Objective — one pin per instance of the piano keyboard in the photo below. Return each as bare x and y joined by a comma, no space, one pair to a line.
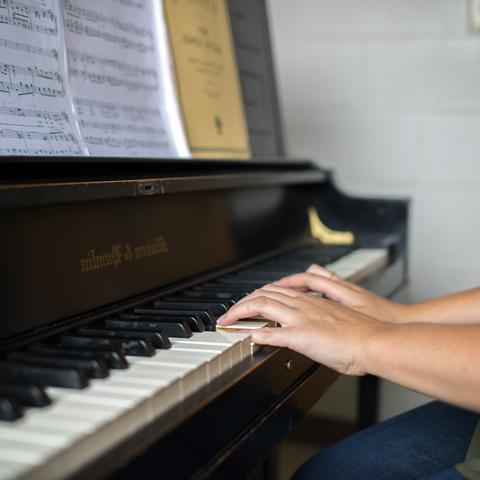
67,400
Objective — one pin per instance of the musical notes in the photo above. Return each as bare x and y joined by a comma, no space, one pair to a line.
34,132
114,73
26,88
108,126
128,127
37,152
47,83
55,136
35,115
97,23
125,144
24,47
56,117
28,16
95,87
115,78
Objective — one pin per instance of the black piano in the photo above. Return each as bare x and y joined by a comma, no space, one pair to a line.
113,275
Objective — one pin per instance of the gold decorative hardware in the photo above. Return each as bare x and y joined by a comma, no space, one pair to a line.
327,236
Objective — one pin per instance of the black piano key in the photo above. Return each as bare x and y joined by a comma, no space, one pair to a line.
226,303
251,276
158,339
139,348
203,315
215,287
251,287
179,330
263,273
115,359
43,376
195,324
28,395
237,280
290,266
214,309
10,410
95,368
224,297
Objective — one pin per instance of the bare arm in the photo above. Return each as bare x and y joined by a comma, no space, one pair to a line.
458,308
442,361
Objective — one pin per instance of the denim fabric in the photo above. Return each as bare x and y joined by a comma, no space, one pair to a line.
424,443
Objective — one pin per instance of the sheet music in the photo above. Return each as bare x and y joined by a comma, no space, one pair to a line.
35,113
120,80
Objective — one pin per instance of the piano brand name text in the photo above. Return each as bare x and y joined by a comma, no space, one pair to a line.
120,254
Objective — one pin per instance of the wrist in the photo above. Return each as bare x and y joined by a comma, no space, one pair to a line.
374,346
402,313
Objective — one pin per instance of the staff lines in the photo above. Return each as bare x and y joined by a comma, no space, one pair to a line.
28,16
25,47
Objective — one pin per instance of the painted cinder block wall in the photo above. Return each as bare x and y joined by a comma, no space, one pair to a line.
387,93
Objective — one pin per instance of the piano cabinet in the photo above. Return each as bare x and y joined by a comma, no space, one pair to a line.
83,244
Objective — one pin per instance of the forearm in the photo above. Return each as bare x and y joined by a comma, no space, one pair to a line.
457,308
441,361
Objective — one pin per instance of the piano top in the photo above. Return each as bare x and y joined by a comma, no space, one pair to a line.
55,181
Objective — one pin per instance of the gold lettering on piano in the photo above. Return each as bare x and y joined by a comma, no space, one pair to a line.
120,254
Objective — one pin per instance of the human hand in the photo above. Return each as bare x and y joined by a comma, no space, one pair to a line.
321,280
320,329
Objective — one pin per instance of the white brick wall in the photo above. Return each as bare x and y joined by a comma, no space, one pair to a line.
387,93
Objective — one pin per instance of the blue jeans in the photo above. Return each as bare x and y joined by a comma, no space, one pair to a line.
424,443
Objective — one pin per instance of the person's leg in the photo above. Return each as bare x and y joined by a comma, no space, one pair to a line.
448,474
426,441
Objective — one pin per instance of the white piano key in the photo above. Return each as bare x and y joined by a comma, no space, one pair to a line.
11,470
20,433
154,381
115,407
198,362
91,397
146,370
44,439
243,338
199,348
246,325
192,379
359,264
211,338
171,385
165,399
218,357
23,452
62,425
192,375
239,342
127,390
67,409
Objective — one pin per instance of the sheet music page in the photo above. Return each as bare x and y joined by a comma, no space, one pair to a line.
117,82
35,113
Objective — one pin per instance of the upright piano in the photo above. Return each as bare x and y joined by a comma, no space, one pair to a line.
113,276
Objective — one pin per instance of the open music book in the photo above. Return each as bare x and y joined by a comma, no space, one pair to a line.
83,77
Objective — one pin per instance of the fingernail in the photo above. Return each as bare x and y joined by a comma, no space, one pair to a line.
220,320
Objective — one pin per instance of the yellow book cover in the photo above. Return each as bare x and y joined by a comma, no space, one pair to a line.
207,78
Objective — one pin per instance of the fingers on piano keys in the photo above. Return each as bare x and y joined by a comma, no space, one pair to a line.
122,371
